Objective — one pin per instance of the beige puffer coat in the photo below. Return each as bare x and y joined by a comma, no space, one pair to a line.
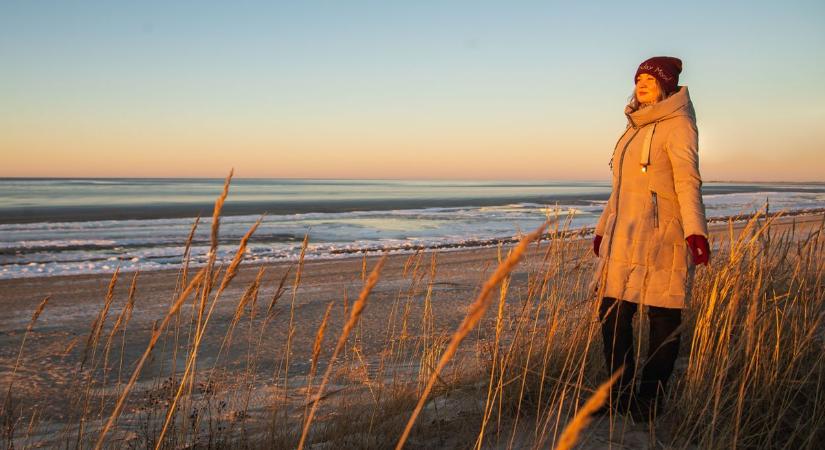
655,204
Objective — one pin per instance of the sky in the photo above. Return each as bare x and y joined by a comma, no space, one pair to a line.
509,90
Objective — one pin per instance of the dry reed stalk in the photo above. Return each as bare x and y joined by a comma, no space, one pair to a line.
35,315
183,278
474,315
387,353
70,346
412,257
120,321
389,337
488,403
415,280
232,270
571,432
92,345
316,352
29,429
187,249
216,212
7,411
550,333
123,317
100,319
319,338
209,278
291,327
229,275
357,308
365,375
511,361
270,311
279,292
250,371
526,365
253,305
427,328
130,306
152,341
270,314
250,293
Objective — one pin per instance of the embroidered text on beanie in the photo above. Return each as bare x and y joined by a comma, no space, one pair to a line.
666,69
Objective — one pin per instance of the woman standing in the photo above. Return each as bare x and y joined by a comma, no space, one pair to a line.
651,234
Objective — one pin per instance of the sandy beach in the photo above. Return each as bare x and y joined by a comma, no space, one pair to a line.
54,347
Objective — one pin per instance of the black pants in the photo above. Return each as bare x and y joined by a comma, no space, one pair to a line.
663,345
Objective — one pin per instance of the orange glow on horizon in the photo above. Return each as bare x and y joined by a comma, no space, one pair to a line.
427,149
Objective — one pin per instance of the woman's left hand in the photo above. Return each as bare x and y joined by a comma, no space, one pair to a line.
699,248
597,242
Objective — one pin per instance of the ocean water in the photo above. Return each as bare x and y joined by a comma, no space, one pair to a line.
80,226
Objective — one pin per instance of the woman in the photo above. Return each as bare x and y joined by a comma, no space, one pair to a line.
651,234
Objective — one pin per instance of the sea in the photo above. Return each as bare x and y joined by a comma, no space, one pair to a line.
61,226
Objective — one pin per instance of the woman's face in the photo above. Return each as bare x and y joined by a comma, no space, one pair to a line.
647,89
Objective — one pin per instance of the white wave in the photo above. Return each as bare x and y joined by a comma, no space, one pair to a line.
42,249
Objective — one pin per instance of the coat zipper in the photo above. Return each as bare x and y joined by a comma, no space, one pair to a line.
617,144
618,191
655,209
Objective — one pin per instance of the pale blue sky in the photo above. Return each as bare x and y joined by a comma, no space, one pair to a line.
398,89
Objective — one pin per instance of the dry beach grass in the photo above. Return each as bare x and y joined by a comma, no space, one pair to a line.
484,348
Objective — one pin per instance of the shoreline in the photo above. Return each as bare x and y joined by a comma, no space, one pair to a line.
406,250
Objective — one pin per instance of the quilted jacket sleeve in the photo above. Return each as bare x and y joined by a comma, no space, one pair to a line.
683,151
608,209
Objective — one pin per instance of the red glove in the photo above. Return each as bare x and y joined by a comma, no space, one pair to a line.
699,248
596,242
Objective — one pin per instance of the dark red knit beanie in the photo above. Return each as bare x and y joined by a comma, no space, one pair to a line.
666,69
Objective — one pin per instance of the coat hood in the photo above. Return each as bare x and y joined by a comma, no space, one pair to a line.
677,104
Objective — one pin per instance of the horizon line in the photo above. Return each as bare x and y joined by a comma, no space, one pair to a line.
377,179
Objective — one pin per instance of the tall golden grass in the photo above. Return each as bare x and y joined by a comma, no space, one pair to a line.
407,371
476,312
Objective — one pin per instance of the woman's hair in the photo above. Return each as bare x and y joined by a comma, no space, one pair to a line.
634,102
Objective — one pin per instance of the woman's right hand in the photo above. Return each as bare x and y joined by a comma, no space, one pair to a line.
597,241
